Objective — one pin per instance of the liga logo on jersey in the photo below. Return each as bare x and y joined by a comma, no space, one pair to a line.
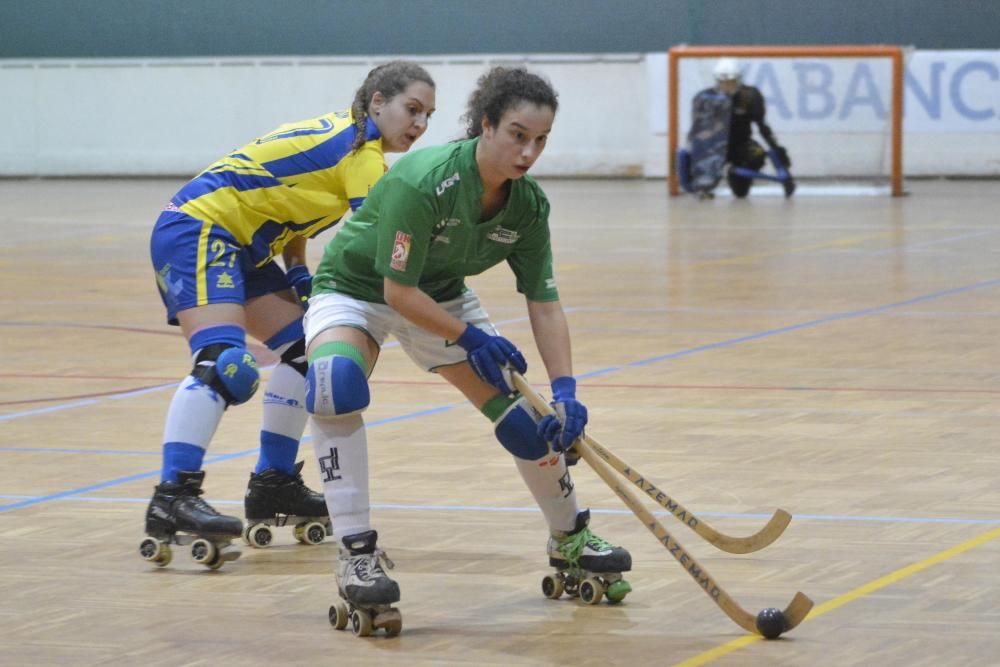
400,251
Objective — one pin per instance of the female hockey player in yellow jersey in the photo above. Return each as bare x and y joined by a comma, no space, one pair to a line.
213,250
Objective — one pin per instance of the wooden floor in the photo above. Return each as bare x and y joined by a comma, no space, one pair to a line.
837,357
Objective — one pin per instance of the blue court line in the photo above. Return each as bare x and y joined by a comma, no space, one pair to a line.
847,518
41,411
611,369
209,458
63,450
836,317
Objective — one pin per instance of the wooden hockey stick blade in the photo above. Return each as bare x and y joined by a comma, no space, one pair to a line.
794,613
735,545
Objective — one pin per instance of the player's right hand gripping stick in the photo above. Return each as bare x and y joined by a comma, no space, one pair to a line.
492,357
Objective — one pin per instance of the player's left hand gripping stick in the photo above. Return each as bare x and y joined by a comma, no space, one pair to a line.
566,425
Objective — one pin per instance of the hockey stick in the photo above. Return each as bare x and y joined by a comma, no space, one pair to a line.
769,622
735,545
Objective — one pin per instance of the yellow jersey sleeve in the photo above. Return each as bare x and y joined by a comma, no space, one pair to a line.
362,170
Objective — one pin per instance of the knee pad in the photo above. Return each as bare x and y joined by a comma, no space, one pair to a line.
336,386
295,356
229,370
517,431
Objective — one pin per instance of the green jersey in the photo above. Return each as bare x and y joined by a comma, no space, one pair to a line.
420,226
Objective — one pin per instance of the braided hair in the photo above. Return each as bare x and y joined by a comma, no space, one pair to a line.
502,89
390,79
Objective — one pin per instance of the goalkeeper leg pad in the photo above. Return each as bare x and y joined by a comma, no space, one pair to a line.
684,169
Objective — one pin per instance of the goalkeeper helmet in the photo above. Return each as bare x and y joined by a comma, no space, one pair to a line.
727,69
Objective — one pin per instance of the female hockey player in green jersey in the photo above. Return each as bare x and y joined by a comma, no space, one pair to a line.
213,250
398,267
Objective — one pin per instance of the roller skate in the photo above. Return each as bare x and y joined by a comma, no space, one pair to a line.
275,498
587,566
789,186
367,592
178,515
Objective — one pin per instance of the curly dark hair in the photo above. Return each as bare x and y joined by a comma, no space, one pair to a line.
390,79
502,89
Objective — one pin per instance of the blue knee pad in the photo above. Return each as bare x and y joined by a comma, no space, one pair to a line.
229,370
336,386
237,370
517,431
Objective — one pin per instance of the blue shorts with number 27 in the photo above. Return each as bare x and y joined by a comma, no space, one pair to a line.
198,263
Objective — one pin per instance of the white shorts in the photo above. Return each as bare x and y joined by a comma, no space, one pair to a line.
378,320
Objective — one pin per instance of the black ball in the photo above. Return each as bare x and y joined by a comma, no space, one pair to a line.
770,623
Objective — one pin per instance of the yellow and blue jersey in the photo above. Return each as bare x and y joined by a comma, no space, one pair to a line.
296,181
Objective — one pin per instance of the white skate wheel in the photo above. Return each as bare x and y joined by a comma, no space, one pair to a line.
155,551
361,623
311,533
339,616
204,552
552,587
591,590
260,536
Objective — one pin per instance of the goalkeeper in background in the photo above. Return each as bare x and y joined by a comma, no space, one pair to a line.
747,108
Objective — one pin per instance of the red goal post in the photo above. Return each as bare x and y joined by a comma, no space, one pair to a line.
893,53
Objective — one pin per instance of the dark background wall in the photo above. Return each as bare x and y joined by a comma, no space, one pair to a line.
148,28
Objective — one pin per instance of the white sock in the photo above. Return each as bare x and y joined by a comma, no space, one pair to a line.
284,419
553,490
341,447
194,414
284,403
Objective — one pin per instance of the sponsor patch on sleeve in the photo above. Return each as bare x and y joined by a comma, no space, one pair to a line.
400,251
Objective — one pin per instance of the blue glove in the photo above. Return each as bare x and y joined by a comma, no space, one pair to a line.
492,357
563,428
301,282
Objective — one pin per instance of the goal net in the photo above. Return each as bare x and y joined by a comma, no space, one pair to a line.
837,109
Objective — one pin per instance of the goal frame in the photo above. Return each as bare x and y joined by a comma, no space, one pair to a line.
893,53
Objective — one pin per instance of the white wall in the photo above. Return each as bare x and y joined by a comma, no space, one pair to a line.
175,116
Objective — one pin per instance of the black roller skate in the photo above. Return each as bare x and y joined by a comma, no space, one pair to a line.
178,515
367,592
275,498
587,566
